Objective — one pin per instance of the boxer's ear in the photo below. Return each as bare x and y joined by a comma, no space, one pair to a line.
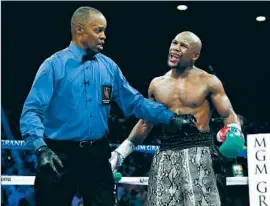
196,56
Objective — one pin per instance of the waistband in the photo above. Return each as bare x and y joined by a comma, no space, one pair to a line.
186,140
70,144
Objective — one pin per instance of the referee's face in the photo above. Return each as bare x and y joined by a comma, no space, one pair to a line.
93,35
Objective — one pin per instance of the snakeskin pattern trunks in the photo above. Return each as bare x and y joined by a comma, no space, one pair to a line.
187,171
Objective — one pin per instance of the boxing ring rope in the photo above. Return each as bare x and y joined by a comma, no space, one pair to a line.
29,180
20,145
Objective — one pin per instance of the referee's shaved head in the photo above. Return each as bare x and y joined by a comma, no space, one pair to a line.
82,16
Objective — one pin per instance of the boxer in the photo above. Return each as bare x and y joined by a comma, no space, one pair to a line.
187,169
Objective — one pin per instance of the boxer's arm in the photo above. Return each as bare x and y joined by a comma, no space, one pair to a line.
137,135
31,120
231,134
140,131
143,127
222,103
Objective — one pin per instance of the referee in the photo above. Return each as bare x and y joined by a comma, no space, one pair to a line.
64,117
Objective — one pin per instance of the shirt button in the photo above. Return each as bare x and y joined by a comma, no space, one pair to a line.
90,116
89,100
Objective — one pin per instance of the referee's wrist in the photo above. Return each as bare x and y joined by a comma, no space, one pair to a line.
41,149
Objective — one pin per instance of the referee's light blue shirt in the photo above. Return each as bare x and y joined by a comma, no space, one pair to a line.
67,100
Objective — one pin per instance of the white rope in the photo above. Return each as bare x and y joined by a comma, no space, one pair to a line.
29,180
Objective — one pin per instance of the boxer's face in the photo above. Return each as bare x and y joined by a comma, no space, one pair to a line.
92,35
181,52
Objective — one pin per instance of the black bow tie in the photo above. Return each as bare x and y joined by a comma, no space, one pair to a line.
88,57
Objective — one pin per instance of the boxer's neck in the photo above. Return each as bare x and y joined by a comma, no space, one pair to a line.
181,72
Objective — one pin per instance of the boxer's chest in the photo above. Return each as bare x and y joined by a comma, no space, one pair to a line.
187,93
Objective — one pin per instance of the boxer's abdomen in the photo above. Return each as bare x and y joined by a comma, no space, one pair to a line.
202,114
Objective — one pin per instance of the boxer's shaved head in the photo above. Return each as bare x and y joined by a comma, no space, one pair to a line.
192,39
82,16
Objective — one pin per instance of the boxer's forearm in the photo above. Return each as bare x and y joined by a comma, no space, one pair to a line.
137,135
140,132
232,118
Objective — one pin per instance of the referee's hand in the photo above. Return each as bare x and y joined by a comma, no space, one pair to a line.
49,160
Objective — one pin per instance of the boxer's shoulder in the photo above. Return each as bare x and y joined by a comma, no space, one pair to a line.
155,83
214,83
157,80
166,76
200,73
206,77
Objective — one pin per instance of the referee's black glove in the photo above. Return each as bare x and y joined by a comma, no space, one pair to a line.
184,121
47,159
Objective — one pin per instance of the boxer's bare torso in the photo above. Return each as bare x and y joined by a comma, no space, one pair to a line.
186,94
185,89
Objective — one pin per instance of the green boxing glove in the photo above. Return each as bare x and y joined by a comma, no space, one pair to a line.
233,140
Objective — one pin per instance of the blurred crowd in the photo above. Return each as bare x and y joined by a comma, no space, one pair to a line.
137,164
